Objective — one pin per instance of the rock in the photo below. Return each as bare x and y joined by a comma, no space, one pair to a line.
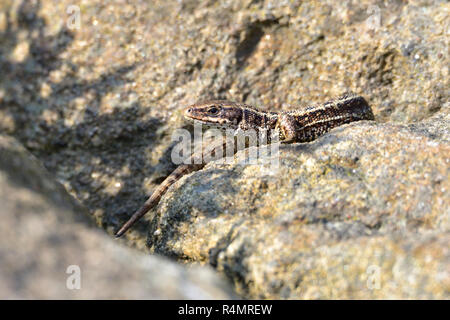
97,104
362,212
46,240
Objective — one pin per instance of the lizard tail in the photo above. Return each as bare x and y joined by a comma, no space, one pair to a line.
156,196
196,163
148,205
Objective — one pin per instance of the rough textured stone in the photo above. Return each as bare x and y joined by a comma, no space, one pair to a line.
364,197
98,105
44,232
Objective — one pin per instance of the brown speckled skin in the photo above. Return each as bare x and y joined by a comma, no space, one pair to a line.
310,123
230,115
291,126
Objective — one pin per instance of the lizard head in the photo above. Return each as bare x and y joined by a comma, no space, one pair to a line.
215,113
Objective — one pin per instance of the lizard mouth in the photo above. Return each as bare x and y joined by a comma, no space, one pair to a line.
209,124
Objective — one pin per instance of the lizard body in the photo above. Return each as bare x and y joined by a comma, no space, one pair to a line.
301,125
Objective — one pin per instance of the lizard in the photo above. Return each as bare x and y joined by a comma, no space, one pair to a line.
295,126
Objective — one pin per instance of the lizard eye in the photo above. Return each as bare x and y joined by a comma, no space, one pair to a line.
213,110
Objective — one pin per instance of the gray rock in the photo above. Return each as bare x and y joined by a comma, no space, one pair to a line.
45,234
363,212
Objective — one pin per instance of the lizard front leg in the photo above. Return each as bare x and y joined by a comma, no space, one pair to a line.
286,128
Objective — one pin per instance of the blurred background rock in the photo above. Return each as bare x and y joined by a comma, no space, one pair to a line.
45,234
